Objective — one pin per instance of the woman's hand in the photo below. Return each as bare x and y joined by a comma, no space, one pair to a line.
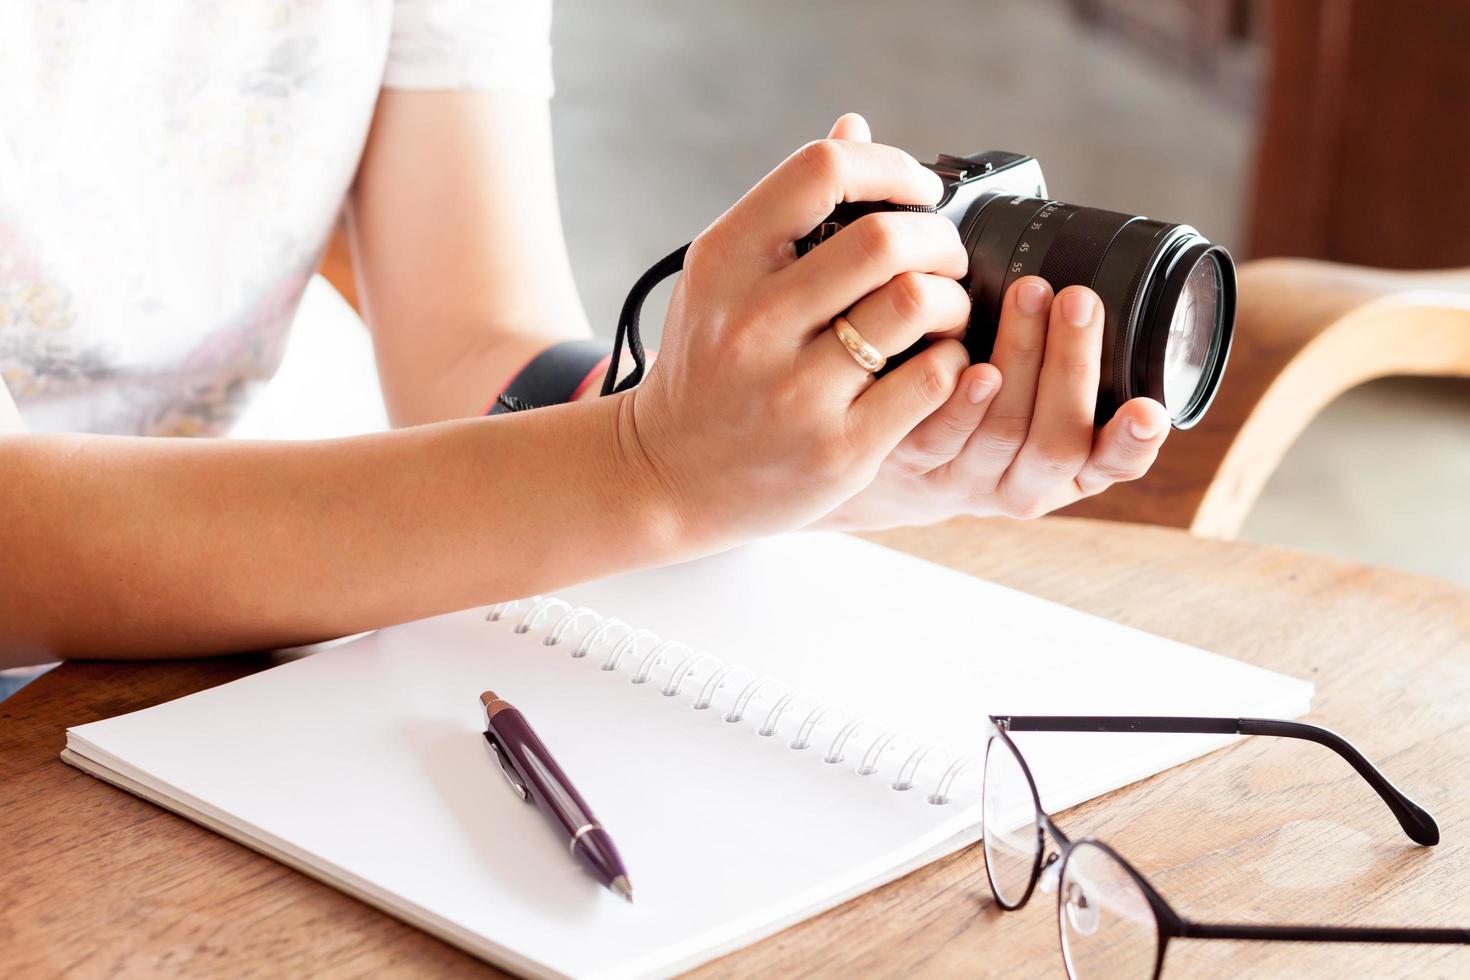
755,418
1016,438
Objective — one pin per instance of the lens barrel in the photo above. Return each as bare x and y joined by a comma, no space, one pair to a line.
1168,294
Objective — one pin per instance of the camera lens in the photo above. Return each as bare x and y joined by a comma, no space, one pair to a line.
1168,293
1190,345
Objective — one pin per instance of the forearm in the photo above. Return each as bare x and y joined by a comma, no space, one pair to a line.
151,547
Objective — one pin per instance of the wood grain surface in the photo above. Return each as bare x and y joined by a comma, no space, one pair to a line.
94,882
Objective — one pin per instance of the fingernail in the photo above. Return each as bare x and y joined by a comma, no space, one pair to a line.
979,390
1144,431
1031,297
1077,307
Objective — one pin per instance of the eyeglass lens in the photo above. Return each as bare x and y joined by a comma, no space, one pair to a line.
1108,928
1012,835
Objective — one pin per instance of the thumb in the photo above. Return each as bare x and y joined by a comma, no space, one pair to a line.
851,126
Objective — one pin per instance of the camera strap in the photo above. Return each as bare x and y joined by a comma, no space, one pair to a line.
628,322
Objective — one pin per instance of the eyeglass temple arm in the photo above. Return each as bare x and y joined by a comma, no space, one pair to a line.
1415,820
1319,934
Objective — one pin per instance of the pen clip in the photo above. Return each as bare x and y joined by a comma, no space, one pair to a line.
511,776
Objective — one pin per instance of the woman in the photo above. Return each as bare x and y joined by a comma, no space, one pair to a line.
168,179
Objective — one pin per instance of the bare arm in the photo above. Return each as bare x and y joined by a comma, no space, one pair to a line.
753,420
461,264
161,547
147,547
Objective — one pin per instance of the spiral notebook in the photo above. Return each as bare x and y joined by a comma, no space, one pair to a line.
765,734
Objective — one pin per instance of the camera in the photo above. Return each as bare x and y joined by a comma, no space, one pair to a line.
1167,292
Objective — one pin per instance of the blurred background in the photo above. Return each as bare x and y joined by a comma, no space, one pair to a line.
667,112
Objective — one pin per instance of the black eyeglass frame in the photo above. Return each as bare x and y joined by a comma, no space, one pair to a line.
1416,822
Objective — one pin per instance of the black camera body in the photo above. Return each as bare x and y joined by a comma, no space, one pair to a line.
1168,293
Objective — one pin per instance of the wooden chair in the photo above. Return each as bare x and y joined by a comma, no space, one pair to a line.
1306,331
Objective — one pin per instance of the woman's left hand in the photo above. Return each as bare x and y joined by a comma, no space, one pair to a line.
1016,438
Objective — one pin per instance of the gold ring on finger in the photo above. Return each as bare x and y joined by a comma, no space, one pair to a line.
868,357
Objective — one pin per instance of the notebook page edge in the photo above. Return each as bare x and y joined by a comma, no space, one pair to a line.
1030,599
942,846
474,944
1290,705
953,834
801,909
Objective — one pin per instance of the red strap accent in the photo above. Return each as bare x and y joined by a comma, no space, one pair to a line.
592,376
511,377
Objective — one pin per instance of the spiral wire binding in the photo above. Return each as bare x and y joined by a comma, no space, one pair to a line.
622,641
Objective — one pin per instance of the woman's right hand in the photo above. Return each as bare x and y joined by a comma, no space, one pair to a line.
755,418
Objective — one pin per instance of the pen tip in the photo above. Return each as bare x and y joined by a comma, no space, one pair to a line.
621,886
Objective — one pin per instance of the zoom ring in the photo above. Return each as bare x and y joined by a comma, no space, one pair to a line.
1079,247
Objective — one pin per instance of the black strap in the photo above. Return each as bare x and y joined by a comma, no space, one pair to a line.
552,377
628,322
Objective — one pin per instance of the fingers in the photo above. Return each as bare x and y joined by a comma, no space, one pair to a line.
893,318
938,439
851,126
794,198
862,257
1126,447
1059,437
898,402
1020,344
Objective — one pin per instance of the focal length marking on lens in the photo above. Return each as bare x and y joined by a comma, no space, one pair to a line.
1036,238
996,222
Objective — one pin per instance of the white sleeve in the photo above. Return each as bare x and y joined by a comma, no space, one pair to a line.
491,45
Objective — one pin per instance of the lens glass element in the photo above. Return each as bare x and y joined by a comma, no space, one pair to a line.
1012,833
1193,332
1108,927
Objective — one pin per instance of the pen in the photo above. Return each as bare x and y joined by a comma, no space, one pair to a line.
536,778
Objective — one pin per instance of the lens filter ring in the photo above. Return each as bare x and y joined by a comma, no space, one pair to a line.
1130,265
1200,282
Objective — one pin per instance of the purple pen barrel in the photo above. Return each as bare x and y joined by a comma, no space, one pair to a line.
544,783
596,850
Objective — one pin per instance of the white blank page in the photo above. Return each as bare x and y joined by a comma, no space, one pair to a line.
930,653
365,763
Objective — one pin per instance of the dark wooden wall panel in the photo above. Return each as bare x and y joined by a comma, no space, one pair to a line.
1364,149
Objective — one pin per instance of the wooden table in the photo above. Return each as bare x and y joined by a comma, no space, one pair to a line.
94,882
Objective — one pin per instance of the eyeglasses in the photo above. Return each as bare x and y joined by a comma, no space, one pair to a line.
1113,924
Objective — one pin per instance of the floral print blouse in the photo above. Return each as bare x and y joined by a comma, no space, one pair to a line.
171,170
